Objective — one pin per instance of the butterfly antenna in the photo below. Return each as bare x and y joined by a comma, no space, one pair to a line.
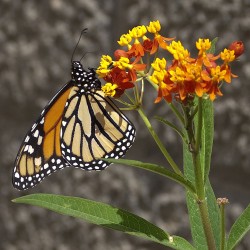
86,54
83,32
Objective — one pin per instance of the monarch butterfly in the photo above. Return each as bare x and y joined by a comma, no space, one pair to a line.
77,127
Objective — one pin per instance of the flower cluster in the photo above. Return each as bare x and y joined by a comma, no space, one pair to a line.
182,77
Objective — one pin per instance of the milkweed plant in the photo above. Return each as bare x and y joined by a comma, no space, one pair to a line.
188,85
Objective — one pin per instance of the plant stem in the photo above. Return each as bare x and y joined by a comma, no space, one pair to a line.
222,226
195,144
159,143
222,202
202,203
207,225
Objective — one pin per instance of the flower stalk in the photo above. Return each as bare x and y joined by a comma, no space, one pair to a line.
222,202
159,142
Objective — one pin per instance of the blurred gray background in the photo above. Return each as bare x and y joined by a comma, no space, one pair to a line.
37,39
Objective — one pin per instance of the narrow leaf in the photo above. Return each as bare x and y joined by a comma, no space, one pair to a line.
105,215
207,136
194,215
170,124
239,229
155,169
197,231
213,44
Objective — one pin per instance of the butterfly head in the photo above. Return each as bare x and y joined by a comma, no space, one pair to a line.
83,78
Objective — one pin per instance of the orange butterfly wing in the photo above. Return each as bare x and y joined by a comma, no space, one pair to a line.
40,153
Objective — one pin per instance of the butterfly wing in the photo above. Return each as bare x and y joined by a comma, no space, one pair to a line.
93,127
40,153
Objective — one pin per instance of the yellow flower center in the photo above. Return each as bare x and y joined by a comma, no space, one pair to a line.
123,63
154,27
159,64
125,39
158,76
217,75
203,44
177,75
178,51
138,31
103,69
193,72
109,89
227,55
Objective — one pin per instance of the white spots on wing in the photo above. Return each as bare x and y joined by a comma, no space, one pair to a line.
26,148
33,127
36,133
39,140
42,121
46,165
30,149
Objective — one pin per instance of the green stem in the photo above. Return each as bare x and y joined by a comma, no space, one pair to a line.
222,227
195,144
207,225
159,143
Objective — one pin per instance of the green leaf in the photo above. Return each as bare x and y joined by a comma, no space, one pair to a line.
155,169
105,215
205,157
214,213
239,229
213,44
207,136
170,124
197,231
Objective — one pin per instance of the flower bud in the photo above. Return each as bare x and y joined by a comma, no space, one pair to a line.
237,47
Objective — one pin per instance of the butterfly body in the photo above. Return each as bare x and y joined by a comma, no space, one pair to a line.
77,128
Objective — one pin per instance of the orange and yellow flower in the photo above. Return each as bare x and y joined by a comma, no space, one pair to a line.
159,40
183,76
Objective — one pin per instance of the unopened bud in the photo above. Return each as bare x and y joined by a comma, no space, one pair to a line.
237,47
